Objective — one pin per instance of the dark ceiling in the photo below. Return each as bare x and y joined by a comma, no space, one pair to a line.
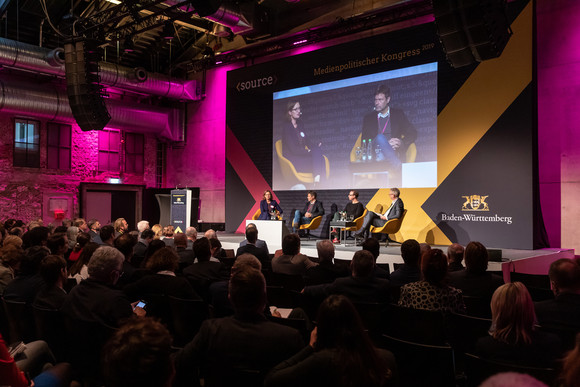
170,36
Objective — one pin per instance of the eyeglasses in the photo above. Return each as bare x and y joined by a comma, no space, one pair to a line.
296,109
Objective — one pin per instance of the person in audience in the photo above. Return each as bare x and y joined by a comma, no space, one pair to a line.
570,374
512,379
12,240
107,235
251,248
204,272
326,271
57,244
154,245
394,211
312,209
168,234
81,241
142,225
37,236
210,234
125,243
216,250
54,273
291,261
361,286
81,224
71,235
120,227
432,292
475,280
373,246
26,285
340,353
186,257
269,207
410,270
245,341
563,312
455,256
96,299
79,270
191,234
95,230
158,230
140,248
259,243
10,257
513,337
139,355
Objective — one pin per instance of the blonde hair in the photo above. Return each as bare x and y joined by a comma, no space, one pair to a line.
513,314
158,230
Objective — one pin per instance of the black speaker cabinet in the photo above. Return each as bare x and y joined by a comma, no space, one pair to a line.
85,94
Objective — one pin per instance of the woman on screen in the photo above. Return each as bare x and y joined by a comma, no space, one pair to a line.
296,147
269,207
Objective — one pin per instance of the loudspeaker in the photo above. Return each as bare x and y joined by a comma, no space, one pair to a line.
85,94
471,30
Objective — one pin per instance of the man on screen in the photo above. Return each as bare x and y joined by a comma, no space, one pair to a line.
395,211
312,209
389,129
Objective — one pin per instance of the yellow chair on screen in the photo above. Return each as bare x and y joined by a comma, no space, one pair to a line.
290,173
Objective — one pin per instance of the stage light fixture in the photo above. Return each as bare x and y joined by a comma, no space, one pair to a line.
168,30
128,45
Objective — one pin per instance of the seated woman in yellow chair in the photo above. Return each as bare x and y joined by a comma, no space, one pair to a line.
270,209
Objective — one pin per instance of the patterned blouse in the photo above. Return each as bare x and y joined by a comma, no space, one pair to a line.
423,295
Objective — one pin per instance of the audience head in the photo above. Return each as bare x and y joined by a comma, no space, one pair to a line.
191,233
71,234
512,314
363,264
252,234
65,222
13,240
215,247
163,259
94,225
210,234
158,230
411,252
121,225
82,239
53,269
570,375
148,235
291,244
168,231
81,224
513,379
37,236
84,258
16,231
153,246
455,253
325,250
247,292
139,355
434,267
125,244
61,229
180,240
58,244
202,249
564,276
245,262
11,256
30,262
107,233
372,245
106,265
142,225
475,258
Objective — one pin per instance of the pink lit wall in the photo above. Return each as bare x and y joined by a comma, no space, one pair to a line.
558,59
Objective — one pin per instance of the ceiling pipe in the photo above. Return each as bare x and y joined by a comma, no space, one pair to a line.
27,57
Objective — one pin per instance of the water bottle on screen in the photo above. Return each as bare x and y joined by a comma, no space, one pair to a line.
358,154
364,150
370,150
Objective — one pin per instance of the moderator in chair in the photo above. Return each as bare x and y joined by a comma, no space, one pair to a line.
391,227
289,171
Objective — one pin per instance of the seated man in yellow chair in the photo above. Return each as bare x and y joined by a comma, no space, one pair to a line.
312,209
394,211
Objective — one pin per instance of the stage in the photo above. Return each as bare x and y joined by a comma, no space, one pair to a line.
521,261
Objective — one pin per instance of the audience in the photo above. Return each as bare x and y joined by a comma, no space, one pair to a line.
186,257
326,271
291,261
251,247
513,335
432,292
142,226
82,239
94,230
373,246
10,257
340,353
107,235
204,272
570,374
140,248
79,270
454,257
191,234
54,274
259,243
28,282
409,271
120,227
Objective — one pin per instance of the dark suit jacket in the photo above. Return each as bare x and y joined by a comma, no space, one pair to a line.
317,209
401,128
397,210
542,352
405,275
563,312
257,252
357,289
265,215
162,285
50,298
325,273
475,285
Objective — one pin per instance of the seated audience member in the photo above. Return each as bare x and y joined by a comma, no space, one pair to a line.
81,241
168,234
186,257
79,270
252,248
361,286
475,280
163,264
125,243
454,257
12,240
512,379
191,234
216,250
28,282
326,271
204,272
54,274
95,230
259,243
120,226
291,261
81,224
432,293
10,257
107,235
71,235
154,245
513,337
373,246
340,353
96,299
142,226
563,312
141,247
410,271
570,374
158,230
139,355
37,236
245,341
210,234
58,244
16,231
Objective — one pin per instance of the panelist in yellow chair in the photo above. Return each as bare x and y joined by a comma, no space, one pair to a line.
312,209
372,218
389,129
305,155
270,209
353,209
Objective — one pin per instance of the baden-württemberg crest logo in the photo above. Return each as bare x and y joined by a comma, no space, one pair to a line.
475,203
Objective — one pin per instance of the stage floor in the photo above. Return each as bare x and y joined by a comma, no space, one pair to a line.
521,261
